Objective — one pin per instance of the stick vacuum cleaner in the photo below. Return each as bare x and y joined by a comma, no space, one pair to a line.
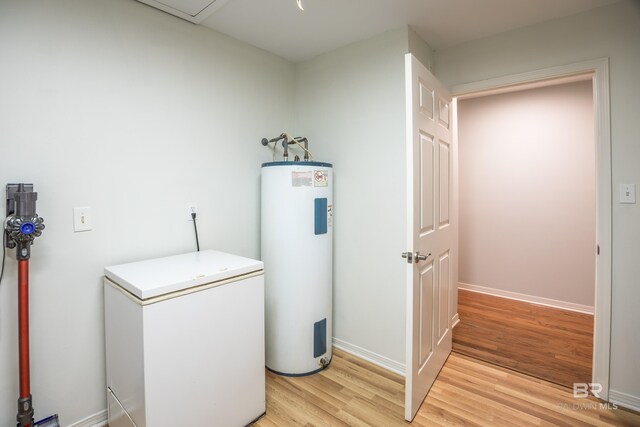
22,226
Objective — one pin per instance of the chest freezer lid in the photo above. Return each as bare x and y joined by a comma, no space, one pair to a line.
155,277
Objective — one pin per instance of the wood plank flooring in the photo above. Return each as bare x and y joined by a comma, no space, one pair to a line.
468,392
548,343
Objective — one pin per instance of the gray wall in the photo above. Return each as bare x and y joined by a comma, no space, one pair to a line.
614,32
350,103
117,106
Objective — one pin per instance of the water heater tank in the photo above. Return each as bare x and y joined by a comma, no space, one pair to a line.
297,235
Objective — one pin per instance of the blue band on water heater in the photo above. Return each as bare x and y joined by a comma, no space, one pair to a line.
320,338
320,216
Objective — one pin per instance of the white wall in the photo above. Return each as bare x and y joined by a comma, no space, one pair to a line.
350,103
614,32
419,48
527,192
117,106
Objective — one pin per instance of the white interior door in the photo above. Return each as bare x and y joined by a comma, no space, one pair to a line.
432,231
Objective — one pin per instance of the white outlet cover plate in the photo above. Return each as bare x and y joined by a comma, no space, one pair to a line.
627,193
82,219
192,207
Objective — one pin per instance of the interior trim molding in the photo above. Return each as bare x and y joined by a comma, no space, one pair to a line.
527,298
99,419
370,356
455,320
598,69
623,399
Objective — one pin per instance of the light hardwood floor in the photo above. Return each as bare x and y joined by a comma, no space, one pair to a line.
353,392
549,343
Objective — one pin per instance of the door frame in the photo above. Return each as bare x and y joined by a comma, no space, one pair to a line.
599,71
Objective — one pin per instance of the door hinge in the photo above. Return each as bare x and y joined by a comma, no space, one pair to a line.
597,249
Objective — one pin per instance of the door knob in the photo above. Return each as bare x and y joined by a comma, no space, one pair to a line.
422,257
408,256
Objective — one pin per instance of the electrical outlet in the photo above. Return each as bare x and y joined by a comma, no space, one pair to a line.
192,207
82,219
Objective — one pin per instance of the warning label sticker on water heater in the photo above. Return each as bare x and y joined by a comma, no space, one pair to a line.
320,178
301,179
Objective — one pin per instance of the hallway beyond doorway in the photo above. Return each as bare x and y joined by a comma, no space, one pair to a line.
553,344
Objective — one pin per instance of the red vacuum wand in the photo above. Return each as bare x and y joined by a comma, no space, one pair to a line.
23,225
23,335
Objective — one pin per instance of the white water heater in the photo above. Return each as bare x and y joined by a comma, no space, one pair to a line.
297,235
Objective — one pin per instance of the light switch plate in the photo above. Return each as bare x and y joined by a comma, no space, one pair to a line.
627,193
82,219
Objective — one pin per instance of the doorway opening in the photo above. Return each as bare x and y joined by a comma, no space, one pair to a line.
534,192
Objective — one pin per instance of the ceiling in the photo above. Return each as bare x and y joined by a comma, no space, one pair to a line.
278,26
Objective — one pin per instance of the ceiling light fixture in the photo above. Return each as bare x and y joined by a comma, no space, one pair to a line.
300,4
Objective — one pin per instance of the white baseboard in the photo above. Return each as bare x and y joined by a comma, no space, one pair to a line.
375,358
455,320
625,400
98,419
527,298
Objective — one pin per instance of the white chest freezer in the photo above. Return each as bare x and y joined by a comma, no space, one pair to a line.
185,341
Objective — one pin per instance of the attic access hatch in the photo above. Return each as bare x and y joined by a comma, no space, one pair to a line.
191,10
